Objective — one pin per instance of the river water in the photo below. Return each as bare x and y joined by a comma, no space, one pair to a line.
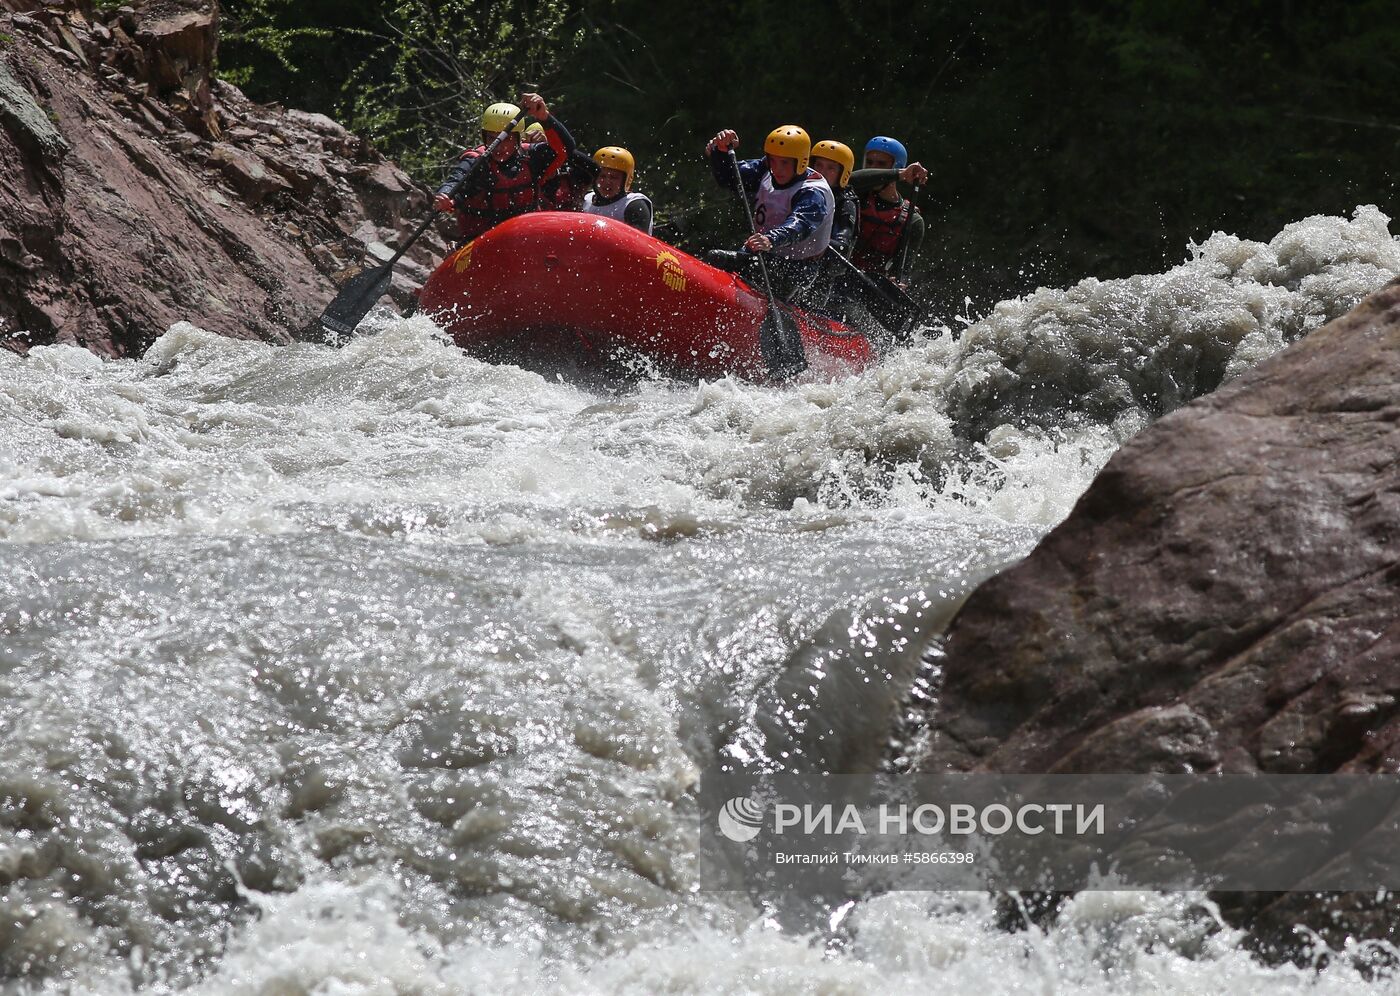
385,670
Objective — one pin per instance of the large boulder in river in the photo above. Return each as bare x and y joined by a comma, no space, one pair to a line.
136,190
1224,597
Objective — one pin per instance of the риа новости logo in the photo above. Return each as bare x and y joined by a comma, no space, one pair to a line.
740,819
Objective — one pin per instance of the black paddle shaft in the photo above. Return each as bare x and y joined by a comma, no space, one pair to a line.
904,249
780,342
882,286
355,299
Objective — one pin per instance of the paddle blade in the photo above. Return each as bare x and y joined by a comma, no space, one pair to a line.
350,306
781,344
891,312
894,309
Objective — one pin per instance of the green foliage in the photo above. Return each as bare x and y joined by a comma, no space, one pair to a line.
6,39
413,75
270,28
445,60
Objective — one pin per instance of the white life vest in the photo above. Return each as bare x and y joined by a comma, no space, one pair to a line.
775,207
618,208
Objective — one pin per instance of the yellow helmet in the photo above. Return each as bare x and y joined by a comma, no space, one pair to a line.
837,153
535,132
616,157
497,118
792,142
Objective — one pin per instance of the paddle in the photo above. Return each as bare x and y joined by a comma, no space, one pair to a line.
888,302
359,295
904,251
898,310
779,341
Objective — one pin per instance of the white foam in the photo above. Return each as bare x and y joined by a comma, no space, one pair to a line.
437,647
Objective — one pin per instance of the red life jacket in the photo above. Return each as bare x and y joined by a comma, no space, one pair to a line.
503,196
879,234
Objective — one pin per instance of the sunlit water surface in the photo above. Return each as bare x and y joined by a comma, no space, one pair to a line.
386,670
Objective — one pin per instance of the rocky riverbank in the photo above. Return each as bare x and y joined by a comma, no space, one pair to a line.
1224,597
137,190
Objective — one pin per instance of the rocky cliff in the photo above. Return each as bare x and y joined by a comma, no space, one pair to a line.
1224,597
137,190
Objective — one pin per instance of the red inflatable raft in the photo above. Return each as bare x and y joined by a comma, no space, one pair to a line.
558,288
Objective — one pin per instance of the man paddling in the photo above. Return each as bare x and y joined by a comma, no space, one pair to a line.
891,228
889,231
510,183
793,207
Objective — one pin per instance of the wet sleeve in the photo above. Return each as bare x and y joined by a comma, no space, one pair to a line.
638,215
865,180
551,155
457,173
808,212
583,168
750,171
719,166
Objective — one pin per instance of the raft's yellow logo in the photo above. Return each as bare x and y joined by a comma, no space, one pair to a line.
672,274
463,259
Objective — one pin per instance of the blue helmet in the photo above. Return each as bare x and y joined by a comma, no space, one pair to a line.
882,144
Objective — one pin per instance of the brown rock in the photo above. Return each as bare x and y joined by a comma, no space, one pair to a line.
173,51
306,174
1241,557
384,189
70,41
326,260
116,238
247,173
179,43
113,225
1225,596
331,134
146,113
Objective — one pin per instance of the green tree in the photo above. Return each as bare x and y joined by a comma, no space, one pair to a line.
412,75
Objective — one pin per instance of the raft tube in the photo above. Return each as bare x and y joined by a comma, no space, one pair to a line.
555,288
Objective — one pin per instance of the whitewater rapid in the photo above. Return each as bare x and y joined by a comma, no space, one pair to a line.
386,670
